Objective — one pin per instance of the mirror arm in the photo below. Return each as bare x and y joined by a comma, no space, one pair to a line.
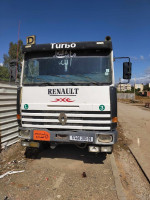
122,58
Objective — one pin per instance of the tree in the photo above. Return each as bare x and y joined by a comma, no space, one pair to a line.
4,74
6,60
12,53
137,91
146,87
132,89
12,56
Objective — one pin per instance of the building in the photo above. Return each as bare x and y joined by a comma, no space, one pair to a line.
148,93
123,87
139,86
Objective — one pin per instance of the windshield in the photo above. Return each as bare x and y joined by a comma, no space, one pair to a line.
68,70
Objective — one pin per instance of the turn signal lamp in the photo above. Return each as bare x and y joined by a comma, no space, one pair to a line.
114,119
18,117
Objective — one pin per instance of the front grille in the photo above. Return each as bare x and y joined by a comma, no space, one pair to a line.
76,120
66,111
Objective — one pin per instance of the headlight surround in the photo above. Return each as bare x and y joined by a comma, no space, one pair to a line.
25,134
104,138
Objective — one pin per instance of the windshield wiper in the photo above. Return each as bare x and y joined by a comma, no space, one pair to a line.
46,84
49,84
39,84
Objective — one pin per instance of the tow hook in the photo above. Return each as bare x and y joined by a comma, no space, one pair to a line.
53,145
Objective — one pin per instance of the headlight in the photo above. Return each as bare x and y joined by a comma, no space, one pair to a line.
24,134
104,138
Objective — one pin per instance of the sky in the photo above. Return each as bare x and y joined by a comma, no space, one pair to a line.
126,21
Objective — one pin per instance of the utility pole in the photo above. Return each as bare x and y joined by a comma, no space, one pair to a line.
120,83
17,49
134,86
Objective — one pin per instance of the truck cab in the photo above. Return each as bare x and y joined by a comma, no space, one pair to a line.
67,95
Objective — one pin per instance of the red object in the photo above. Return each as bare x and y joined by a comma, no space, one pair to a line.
63,100
46,179
148,93
41,135
84,175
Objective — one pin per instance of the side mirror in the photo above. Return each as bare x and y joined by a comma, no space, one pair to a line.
127,70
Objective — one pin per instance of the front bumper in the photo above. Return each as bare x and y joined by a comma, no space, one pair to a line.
64,136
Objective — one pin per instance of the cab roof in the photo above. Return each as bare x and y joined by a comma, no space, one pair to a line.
99,45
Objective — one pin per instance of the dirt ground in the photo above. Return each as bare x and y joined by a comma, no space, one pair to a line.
58,174
139,100
70,173
135,121
63,173
135,184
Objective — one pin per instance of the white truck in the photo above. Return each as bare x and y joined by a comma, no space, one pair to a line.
67,95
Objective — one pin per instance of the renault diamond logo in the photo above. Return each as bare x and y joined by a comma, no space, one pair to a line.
62,118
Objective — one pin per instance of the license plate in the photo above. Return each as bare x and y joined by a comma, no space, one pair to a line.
81,138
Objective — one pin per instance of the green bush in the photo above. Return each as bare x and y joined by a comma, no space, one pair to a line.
4,74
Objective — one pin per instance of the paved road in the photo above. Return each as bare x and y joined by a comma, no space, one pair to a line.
135,121
57,174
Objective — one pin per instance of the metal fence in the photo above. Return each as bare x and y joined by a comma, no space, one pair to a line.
125,96
8,111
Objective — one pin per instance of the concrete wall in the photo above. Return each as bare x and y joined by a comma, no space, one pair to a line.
125,95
